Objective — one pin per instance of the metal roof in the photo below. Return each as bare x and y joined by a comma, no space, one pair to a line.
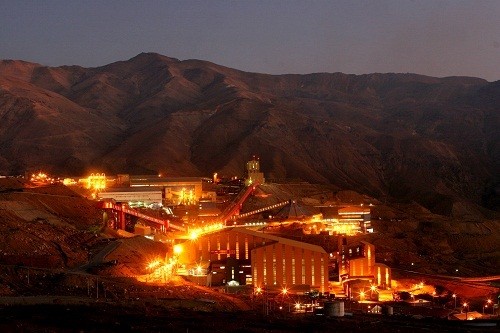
131,189
281,240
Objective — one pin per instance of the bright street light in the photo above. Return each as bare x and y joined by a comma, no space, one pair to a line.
194,235
489,302
178,249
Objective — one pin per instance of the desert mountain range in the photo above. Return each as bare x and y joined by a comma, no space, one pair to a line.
434,141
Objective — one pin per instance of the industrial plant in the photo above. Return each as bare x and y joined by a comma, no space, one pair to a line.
243,236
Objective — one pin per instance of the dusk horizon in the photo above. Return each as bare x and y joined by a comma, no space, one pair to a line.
274,74
445,38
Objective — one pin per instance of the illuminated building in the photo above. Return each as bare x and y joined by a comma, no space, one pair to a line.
180,190
356,263
95,181
40,178
69,182
251,257
175,191
357,216
289,263
144,195
253,172
348,220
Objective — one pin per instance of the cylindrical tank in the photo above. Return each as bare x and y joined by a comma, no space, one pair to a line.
338,309
334,309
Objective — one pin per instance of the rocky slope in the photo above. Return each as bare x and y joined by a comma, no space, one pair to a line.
405,136
48,226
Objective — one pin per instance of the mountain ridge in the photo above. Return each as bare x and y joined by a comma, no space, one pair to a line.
374,133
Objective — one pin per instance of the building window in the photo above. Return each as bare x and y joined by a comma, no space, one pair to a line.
323,273
293,265
237,249
218,249
284,272
246,248
312,271
283,249
274,264
303,271
255,275
265,267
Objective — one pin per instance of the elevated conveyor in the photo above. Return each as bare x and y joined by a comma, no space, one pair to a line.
123,210
235,206
263,209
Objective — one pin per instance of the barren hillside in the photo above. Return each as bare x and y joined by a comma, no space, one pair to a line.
45,226
400,136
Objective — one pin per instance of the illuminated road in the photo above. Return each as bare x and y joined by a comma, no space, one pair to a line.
473,281
482,279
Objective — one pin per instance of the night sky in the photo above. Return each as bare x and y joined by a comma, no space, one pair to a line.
437,38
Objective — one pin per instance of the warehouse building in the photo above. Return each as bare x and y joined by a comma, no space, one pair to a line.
159,190
243,256
239,256
359,216
146,195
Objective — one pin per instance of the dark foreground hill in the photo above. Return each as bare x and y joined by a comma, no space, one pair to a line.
404,136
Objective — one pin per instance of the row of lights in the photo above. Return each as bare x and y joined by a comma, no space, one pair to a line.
465,305
263,209
255,223
284,291
259,291
162,269
195,233
373,289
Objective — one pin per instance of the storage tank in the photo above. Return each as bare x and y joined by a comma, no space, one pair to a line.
334,309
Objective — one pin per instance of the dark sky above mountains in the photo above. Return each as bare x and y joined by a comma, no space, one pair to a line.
437,38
